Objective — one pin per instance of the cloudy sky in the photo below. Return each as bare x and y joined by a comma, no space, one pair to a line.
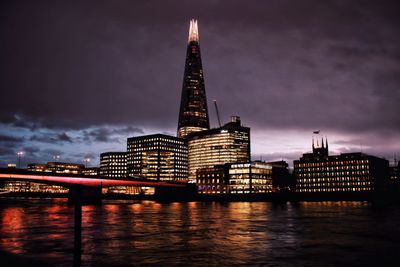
79,77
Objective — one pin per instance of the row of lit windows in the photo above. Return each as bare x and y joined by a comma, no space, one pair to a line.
341,168
330,174
331,163
333,184
352,189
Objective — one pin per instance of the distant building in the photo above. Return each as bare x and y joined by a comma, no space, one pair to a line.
157,157
91,171
11,166
113,165
57,167
228,144
237,178
281,178
394,175
213,180
193,113
347,172
37,167
50,167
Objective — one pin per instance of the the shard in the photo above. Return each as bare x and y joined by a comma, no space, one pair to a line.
193,114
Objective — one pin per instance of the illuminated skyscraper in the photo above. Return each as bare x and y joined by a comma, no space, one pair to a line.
193,114
227,144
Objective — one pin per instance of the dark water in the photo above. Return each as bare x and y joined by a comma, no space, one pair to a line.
200,234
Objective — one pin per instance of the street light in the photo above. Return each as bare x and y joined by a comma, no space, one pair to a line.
56,157
20,154
86,160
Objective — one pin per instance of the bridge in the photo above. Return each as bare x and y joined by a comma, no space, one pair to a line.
86,189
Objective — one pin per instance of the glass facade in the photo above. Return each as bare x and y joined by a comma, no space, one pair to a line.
158,157
228,144
193,113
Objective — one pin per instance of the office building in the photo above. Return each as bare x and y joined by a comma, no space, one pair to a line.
236,178
193,113
113,165
158,157
317,172
57,167
91,171
227,144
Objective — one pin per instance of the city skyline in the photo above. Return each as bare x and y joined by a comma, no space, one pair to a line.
79,84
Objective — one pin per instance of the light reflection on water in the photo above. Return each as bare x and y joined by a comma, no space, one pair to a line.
203,233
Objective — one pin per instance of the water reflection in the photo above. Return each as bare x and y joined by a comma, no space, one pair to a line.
196,233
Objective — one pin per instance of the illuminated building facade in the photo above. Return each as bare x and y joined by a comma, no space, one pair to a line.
317,172
92,171
158,157
50,167
212,180
113,164
57,167
228,144
193,114
237,178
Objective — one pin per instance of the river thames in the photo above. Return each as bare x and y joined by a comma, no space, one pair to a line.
131,233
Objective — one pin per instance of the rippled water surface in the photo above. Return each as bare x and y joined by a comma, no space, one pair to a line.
125,233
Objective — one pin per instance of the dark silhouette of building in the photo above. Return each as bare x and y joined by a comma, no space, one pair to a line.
158,157
317,172
283,181
193,114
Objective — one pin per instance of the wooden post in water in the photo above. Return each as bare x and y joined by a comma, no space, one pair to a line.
77,234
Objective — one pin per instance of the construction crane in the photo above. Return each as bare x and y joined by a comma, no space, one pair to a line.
216,109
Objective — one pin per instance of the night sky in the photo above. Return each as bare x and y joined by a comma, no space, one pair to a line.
79,77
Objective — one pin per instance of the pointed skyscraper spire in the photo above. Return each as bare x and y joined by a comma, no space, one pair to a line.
193,114
323,146
193,31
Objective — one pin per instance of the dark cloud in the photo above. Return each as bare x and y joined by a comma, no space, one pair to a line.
110,134
93,67
128,130
10,139
51,138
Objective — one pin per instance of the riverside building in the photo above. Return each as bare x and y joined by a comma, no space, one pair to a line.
317,172
193,113
227,144
113,165
158,157
236,178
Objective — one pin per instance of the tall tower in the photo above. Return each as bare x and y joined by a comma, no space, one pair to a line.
193,113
